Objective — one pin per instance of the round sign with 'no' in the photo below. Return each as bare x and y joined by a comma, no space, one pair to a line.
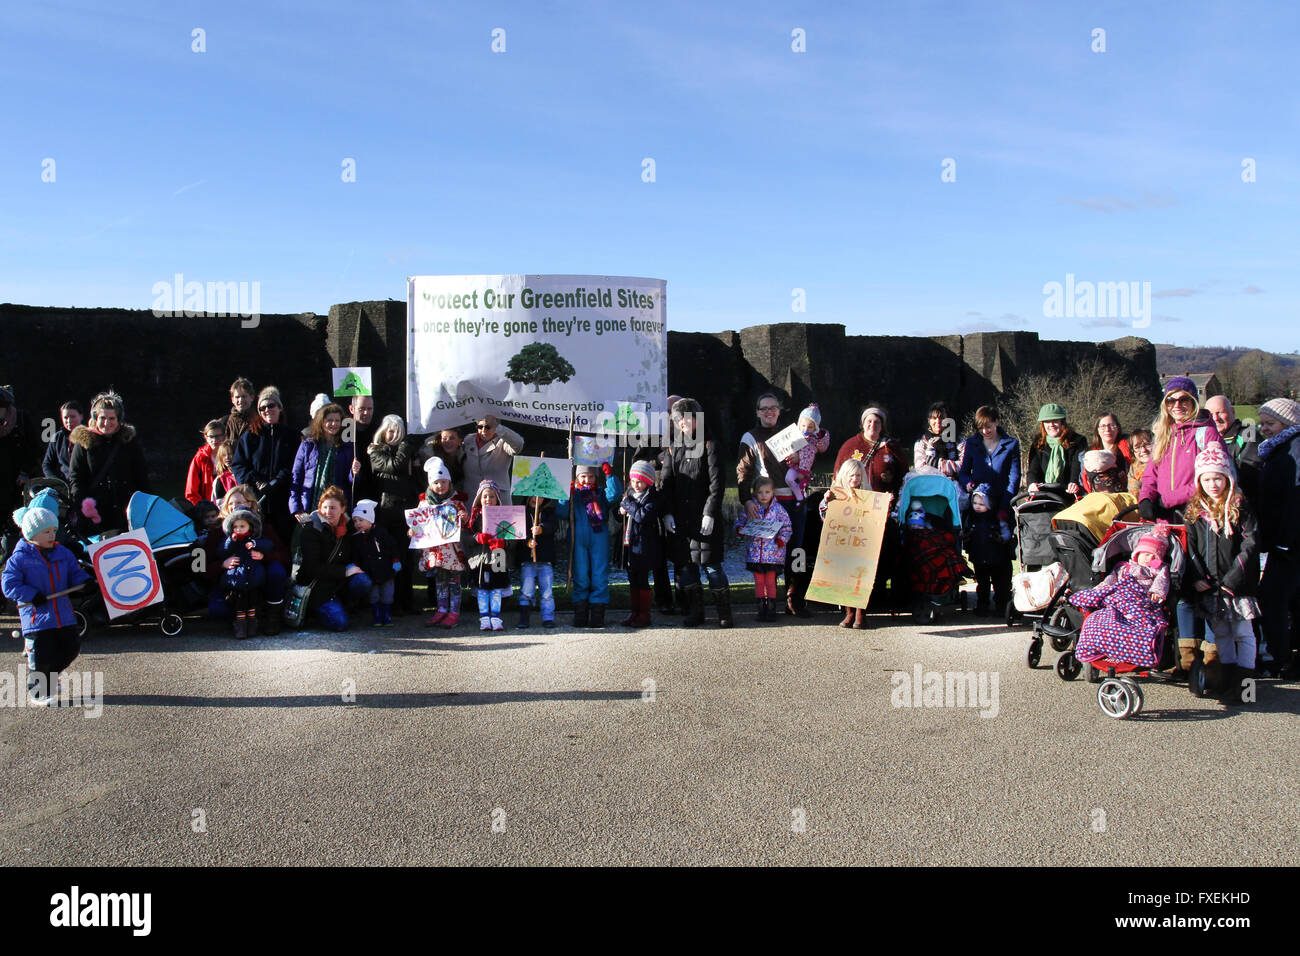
127,574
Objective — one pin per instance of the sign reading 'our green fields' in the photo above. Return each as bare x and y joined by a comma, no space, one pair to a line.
534,349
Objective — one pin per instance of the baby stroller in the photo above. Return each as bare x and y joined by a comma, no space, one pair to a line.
1119,695
172,541
1075,534
1034,512
929,516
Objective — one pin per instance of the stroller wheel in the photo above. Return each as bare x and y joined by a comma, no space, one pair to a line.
1196,678
171,625
1094,675
1068,666
1136,690
1034,651
83,623
1062,644
1115,698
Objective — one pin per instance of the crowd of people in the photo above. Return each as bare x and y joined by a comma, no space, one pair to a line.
309,522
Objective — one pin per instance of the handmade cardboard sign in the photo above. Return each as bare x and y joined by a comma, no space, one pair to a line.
352,381
433,525
850,549
541,477
507,522
786,442
126,572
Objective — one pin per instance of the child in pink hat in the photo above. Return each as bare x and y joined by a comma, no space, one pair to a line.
1127,622
1223,549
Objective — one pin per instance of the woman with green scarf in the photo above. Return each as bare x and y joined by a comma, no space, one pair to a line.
1056,456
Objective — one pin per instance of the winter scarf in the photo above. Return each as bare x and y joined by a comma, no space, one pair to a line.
589,500
1056,464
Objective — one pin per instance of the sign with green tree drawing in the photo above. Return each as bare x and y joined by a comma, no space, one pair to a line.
539,364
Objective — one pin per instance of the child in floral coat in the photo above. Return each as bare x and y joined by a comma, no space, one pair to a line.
1127,623
766,556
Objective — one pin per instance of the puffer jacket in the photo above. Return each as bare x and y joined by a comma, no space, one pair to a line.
30,571
1170,481
1227,561
265,457
691,487
392,483
127,475
303,479
1279,493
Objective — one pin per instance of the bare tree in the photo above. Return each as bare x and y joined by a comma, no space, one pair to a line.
1088,390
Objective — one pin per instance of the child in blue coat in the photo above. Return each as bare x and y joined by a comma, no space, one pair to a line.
642,544
591,544
243,555
38,568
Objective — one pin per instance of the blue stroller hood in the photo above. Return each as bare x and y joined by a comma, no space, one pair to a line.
936,493
162,522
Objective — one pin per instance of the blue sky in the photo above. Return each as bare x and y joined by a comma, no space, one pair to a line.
774,170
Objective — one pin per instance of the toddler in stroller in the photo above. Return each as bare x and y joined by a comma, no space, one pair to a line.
1127,622
930,523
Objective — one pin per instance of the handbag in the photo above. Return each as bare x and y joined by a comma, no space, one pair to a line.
299,595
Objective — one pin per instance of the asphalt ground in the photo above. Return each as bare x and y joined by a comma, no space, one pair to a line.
763,744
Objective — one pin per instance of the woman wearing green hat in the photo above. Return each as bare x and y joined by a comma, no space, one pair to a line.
1056,455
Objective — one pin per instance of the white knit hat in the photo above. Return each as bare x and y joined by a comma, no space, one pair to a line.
365,510
436,469
319,402
36,520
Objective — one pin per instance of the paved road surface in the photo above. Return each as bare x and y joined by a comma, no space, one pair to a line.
758,745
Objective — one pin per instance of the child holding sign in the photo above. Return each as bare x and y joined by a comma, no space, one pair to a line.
491,559
39,569
766,555
444,562
591,544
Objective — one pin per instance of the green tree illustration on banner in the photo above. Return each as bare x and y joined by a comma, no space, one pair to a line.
539,364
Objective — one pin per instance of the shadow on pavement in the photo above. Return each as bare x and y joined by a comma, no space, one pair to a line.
395,701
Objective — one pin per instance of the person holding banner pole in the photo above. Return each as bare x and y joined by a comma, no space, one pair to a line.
323,459
692,495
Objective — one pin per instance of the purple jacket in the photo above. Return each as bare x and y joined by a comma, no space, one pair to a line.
303,477
1171,480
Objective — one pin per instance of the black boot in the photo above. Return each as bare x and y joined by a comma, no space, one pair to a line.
694,604
597,616
722,598
580,611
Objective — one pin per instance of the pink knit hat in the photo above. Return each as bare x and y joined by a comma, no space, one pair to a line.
1213,461
644,470
1155,542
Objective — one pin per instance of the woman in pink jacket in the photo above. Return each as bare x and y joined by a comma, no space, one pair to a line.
1182,431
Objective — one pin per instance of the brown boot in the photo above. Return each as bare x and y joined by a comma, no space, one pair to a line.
1186,657
1213,668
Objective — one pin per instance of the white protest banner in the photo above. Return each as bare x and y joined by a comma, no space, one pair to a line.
786,442
433,525
540,477
532,348
507,522
350,382
760,527
595,450
126,572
